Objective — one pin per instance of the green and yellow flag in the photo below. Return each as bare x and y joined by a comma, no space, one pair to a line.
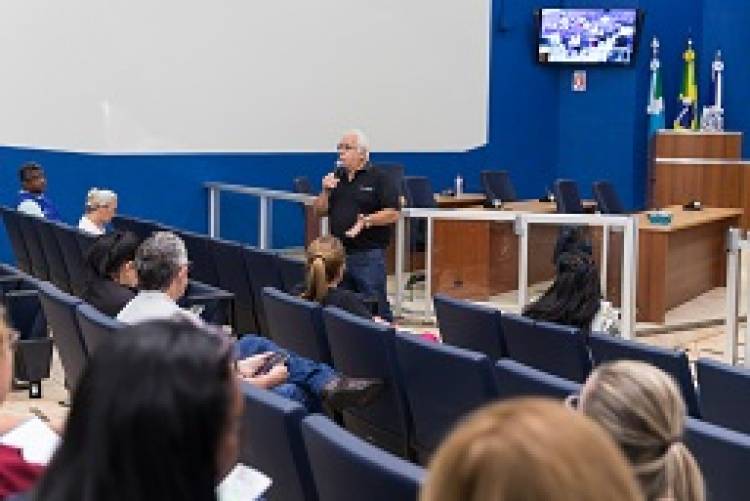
688,116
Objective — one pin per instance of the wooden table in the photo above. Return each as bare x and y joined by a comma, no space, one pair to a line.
682,260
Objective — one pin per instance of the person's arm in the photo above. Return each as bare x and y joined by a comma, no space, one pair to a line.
329,183
386,216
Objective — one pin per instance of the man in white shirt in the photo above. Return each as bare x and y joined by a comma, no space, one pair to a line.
162,266
101,206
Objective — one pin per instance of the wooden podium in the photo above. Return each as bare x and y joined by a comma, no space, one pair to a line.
704,166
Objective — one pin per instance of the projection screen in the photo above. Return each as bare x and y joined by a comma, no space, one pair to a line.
242,75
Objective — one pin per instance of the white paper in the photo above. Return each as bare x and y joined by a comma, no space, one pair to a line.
36,440
243,484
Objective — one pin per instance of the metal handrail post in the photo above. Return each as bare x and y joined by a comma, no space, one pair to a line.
628,285
522,230
264,223
428,271
400,230
213,211
605,258
733,295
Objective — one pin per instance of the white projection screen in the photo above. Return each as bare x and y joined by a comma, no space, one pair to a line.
141,76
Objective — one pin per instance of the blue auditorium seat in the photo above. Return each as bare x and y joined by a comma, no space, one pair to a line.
605,348
363,348
470,326
346,468
724,459
515,379
58,271
497,185
443,383
272,443
263,270
15,236
73,258
292,273
606,198
724,394
296,325
84,240
567,198
60,311
33,240
216,305
95,326
552,348
234,277
202,256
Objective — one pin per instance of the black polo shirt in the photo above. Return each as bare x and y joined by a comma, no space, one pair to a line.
370,191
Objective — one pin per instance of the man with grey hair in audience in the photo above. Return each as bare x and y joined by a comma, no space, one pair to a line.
361,202
161,263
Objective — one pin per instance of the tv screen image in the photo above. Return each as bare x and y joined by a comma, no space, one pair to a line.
587,36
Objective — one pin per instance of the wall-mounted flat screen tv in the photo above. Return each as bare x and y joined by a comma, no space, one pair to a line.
587,36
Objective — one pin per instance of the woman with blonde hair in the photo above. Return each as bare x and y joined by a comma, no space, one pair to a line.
101,206
642,409
529,449
324,271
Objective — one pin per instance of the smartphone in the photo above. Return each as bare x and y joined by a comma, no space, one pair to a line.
197,309
272,361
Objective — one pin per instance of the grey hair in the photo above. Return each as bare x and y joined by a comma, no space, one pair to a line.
96,198
158,260
362,142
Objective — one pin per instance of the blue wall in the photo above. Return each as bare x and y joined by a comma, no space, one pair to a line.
538,129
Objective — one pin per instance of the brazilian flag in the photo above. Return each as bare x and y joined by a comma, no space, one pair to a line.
688,116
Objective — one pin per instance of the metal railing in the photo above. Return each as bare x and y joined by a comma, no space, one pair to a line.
521,222
265,214
735,245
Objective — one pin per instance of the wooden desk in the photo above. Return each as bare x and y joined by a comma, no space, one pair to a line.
477,259
465,200
682,260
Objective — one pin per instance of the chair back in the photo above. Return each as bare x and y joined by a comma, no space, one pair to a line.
58,271
200,254
443,383
233,277
271,441
216,305
606,198
263,270
497,185
292,273
345,467
418,192
301,184
95,326
74,259
60,311
30,231
723,456
515,379
724,392
605,348
567,198
15,236
552,348
364,348
296,324
470,326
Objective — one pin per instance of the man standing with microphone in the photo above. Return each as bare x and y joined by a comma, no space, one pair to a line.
361,202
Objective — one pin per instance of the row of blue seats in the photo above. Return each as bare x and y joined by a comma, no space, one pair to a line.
55,252
236,268
719,398
312,458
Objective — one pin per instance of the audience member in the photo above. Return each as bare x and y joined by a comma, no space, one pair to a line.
101,206
528,450
161,262
156,416
361,202
642,409
32,199
16,474
111,276
324,267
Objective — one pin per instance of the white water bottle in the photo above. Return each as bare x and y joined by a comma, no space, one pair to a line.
459,185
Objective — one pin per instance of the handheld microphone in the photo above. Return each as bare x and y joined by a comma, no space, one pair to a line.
339,170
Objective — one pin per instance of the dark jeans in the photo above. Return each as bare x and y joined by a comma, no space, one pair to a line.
365,273
306,377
